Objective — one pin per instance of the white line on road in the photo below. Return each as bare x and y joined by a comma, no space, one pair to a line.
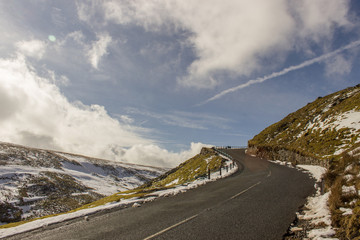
192,217
171,227
238,194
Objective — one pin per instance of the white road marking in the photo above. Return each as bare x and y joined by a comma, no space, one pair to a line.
238,194
171,227
192,217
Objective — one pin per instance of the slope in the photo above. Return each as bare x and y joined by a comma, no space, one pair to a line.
318,133
188,175
324,132
36,182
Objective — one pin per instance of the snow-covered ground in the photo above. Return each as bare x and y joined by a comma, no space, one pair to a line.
29,176
317,209
135,202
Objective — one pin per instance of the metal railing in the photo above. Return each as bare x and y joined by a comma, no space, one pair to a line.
230,147
219,150
224,168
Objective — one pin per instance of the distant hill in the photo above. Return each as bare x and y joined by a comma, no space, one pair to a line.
317,133
36,182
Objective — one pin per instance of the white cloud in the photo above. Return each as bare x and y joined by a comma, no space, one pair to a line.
126,119
98,49
158,156
191,120
78,36
338,66
32,48
231,36
33,112
318,18
338,63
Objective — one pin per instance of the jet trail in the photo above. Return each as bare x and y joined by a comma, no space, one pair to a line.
282,72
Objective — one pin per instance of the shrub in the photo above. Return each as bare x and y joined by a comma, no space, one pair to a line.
352,224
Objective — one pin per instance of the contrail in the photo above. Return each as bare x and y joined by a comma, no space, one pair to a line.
282,72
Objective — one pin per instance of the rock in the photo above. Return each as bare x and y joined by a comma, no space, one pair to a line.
135,205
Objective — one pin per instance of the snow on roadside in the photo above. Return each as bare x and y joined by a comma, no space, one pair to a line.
316,171
136,202
317,210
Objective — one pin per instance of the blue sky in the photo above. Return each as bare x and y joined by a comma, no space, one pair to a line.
150,82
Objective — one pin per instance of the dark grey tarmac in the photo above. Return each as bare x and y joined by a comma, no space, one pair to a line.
258,202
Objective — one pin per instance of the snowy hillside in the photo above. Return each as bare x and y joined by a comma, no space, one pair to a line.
323,129
36,182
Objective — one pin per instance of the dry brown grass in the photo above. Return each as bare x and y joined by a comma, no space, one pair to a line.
348,226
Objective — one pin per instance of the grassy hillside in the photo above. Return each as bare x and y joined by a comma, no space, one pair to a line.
186,172
323,129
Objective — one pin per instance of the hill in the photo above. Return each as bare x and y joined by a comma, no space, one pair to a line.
36,182
318,133
188,175
326,133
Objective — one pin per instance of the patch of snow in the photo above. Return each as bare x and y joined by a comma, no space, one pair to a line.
350,119
316,171
319,213
283,163
341,149
209,159
348,168
176,181
348,190
35,198
318,209
296,229
79,194
346,211
322,234
348,177
136,205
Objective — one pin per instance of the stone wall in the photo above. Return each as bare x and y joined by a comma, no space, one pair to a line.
286,155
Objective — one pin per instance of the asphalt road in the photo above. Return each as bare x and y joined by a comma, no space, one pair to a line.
258,202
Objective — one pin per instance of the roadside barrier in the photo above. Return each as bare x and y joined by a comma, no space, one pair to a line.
230,147
226,168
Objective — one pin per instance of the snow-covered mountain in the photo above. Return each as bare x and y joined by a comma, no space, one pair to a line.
36,182
323,129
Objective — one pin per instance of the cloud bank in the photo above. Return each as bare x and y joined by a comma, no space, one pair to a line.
229,37
35,113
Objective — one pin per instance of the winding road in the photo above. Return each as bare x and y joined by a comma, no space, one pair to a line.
257,202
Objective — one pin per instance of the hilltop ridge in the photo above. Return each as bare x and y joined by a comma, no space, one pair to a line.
318,133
